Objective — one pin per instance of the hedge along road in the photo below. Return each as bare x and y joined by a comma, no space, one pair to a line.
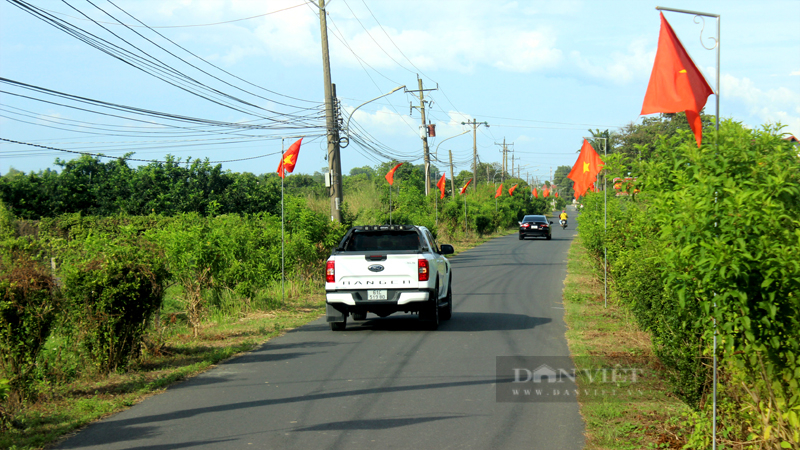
384,382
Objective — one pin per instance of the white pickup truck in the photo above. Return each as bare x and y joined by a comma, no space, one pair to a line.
384,269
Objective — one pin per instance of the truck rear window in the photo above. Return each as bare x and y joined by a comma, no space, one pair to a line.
365,241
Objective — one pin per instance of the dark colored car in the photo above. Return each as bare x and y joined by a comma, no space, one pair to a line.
535,226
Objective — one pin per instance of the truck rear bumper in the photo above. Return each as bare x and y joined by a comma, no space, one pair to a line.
396,297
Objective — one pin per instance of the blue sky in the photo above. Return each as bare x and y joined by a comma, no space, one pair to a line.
540,73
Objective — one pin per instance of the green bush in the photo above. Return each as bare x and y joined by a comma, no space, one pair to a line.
113,286
714,238
28,311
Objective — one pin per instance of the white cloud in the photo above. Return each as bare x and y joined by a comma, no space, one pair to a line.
383,121
773,105
506,36
620,68
795,73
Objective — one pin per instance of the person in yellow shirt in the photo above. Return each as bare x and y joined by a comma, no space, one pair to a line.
563,217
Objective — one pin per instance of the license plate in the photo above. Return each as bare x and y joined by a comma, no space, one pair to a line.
534,227
376,294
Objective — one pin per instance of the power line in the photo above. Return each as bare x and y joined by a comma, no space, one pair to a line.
152,66
213,65
183,26
100,155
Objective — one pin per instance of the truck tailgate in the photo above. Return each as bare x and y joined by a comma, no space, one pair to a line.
359,272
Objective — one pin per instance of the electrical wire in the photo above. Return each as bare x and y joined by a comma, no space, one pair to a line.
184,26
152,66
214,65
100,155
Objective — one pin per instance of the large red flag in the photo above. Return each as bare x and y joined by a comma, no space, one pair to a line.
675,82
289,159
586,168
499,191
535,193
390,175
464,189
511,191
545,193
441,184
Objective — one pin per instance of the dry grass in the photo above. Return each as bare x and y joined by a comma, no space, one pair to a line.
179,355
608,336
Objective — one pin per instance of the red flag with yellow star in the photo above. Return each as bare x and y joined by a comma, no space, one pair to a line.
390,175
464,189
441,184
675,82
289,159
586,168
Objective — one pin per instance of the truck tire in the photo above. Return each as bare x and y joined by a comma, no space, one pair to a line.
446,312
429,316
339,326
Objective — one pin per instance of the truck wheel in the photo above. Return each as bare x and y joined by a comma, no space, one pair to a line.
339,326
429,315
446,312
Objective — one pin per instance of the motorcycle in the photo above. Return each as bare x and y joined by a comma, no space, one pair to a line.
564,224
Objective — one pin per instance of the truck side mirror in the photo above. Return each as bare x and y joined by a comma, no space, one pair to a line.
446,249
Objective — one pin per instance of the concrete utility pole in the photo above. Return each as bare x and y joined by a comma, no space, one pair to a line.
475,125
512,166
334,158
452,179
424,133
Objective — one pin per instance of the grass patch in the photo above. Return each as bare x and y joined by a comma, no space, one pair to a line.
78,397
649,417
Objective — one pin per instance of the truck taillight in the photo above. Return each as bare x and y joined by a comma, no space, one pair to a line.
422,264
330,272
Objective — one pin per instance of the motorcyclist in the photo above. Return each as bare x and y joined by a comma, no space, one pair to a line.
563,216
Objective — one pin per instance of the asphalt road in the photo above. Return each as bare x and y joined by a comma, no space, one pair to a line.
382,383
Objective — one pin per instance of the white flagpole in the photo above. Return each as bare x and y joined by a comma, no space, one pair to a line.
283,238
716,145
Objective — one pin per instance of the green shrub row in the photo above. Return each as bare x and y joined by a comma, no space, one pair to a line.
95,283
711,244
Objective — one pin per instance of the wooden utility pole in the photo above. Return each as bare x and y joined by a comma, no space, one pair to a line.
452,180
423,133
334,158
475,125
505,160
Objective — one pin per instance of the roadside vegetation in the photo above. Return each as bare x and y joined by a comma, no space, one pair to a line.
706,241
609,335
112,289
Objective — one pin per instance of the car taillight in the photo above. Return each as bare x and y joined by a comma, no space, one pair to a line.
526,225
330,272
422,265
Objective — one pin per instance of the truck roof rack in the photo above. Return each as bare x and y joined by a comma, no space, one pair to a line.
383,227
